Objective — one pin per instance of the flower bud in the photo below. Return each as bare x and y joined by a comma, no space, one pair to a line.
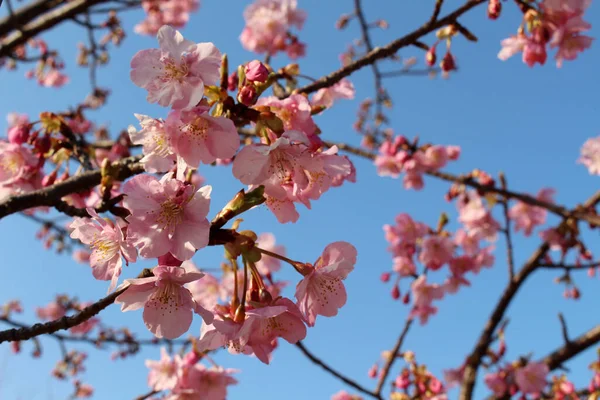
395,292
494,8
49,179
385,277
448,64
18,134
256,71
342,22
232,81
247,95
430,57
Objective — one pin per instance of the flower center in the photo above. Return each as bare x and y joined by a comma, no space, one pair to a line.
197,129
160,141
11,163
174,72
105,248
170,215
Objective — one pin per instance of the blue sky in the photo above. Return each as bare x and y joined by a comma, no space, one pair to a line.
528,123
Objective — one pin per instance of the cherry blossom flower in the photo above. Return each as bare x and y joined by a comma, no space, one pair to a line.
495,381
108,243
18,128
343,395
321,291
268,23
165,12
436,251
476,218
175,74
201,383
163,374
167,216
424,293
564,20
325,97
205,291
168,305
198,137
268,265
295,112
53,78
52,311
527,216
159,155
590,155
15,162
531,379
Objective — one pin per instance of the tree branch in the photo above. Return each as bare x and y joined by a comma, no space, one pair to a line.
572,348
507,233
385,371
388,50
51,195
12,335
333,372
43,22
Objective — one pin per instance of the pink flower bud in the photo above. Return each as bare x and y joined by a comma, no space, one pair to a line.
373,371
395,292
232,81
247,95
256,71
448,64
15,347
430,57
18,134
49,179
385,277
42,144
494,8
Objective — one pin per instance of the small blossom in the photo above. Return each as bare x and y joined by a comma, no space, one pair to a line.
322,292
268,265
325,97
590,155
175,74
159,155
531,378
163,373
167,216
168,305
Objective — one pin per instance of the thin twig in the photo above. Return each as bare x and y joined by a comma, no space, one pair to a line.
385,371
12,335
147,395
436,11
571,267
506,231
388,50
333,372
563,328
564,353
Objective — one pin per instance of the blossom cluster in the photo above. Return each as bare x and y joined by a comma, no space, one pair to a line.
556,24
175,13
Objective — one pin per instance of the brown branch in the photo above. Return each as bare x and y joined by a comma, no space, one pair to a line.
388,50
507,233
436,11
26,14
573,267
385,371
563,328
579,213
147,395
572,348
475,358
12,335
465,32
51,195
338,375
43,22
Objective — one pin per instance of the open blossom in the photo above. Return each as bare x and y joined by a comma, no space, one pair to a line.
257,333
476,218
52,311
268,265
165,12
159,155
495,381
168,305
527,216
424,293
198,137
590,155
564,20
268,23
531,379
321,291
343,395
294,111
405,230
325,97
15,162
53,78
163,373
175,74
436,251
205,291
198,382
108,243
167,216
290,171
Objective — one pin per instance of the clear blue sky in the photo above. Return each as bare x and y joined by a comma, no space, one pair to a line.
529,123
